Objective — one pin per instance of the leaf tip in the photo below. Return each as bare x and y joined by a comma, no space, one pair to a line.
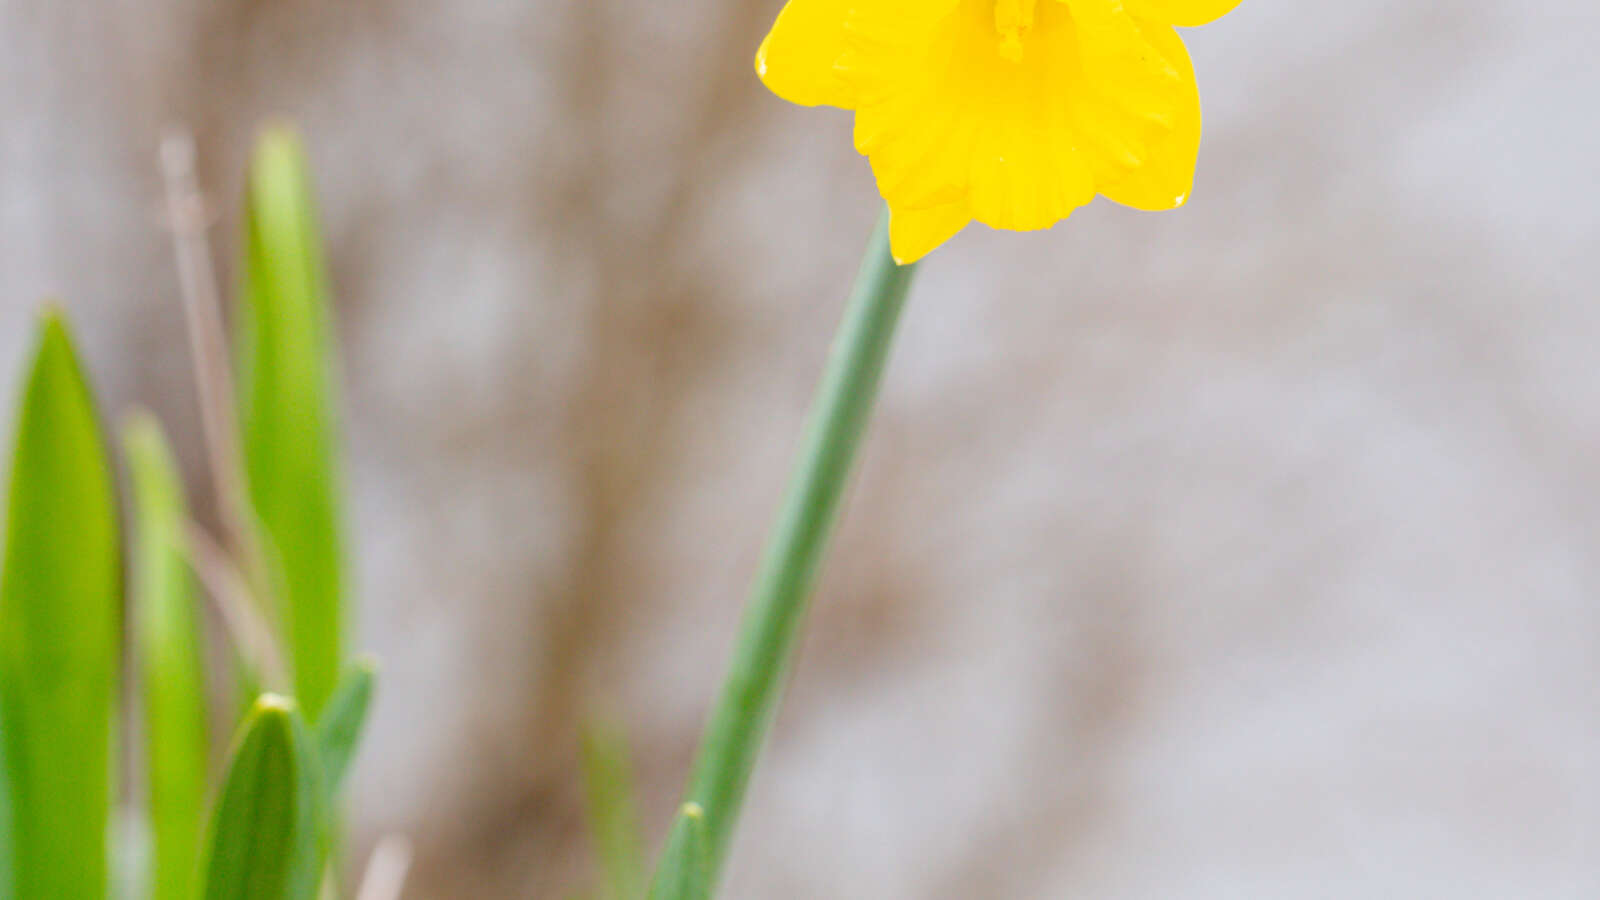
279,147
139,428
54,332
274,704
52,317
278,132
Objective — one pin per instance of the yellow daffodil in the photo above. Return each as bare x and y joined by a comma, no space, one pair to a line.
1010,112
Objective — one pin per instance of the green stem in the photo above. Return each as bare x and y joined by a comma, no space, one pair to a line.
754,684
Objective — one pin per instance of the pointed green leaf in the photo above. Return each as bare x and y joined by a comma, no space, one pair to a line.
339,729
613,820
287,411
268,838
167,644
60,620
685,872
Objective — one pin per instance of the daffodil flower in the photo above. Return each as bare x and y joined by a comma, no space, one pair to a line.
1010,112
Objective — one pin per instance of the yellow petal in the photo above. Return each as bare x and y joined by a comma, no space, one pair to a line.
1165,174
797,59
1012,113
1128,90
950,108
914,233
1183,13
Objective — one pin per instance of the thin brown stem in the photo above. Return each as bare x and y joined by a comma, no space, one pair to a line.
230,590
385,877
208,343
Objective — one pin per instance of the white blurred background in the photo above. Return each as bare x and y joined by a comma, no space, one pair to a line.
1248,551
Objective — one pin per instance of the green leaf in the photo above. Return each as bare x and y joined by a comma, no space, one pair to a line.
339,729
685,872
268,837
167,644
613,820
287,411
60,622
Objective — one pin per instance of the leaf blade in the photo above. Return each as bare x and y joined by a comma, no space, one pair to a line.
267,839
168,642
60,621
343,721
288,411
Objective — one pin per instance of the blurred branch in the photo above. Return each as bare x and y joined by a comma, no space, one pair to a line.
189,219
387,868
648,316
231,592
646,309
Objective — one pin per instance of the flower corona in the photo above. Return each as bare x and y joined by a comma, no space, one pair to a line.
1012,113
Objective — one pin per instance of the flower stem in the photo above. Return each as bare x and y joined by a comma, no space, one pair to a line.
749,698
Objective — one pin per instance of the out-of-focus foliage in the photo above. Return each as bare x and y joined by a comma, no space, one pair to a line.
269,835
60,621
168,647
287,411
338,732
61,598
613,821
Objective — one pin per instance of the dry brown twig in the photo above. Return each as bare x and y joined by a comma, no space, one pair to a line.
387,868
230,590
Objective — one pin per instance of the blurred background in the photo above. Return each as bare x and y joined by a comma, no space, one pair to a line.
1248,551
